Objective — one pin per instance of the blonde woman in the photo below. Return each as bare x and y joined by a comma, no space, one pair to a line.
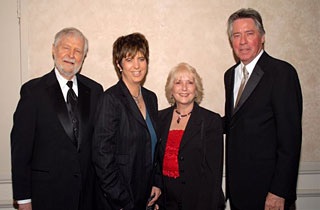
191,147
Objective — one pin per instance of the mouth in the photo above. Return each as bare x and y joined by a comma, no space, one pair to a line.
69,61
245,50
184,94
136,73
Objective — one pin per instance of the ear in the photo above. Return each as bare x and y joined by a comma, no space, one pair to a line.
119,66
263,39
53,51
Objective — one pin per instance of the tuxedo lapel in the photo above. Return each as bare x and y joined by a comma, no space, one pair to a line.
253,81
56,97
83,108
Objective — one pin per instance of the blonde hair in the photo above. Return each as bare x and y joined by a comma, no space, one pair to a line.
174,73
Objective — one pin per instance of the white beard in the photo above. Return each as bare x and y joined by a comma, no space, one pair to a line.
65,73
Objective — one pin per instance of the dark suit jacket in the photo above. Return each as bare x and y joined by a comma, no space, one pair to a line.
200,158
263,134
122,148
46,166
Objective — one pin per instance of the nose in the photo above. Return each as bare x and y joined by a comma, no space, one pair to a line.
184,86
71,53
243,39
136,63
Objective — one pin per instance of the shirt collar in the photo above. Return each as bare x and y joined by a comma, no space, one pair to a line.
250,66
63,81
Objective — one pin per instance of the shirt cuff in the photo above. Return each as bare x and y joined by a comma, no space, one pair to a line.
24,201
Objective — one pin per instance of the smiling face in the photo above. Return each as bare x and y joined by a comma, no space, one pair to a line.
68,55
184,88
134,69
246,40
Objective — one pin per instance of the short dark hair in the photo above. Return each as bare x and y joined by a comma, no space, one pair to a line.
245,13
129,45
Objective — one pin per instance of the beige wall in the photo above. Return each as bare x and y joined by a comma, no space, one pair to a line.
177,30
184,30
9,78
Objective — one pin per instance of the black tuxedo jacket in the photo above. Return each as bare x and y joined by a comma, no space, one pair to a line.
200,158
46,165
122,149
263,134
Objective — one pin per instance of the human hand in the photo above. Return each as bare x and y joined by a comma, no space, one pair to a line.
155,193
26,206
274,202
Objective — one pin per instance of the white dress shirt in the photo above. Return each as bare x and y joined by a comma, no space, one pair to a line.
63,84
238,75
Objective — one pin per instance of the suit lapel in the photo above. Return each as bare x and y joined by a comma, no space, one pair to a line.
56,96
165,124
83,108
129,102
151,107
253,81
193,126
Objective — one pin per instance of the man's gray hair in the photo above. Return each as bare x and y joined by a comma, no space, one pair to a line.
245,13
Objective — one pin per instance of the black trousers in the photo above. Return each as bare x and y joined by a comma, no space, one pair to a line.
286,207
174,193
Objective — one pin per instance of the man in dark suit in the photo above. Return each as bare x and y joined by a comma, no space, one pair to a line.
263,121
52,132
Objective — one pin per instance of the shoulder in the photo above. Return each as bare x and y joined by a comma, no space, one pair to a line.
230,70
148,92
212,120
114,94
31,84
151,97
276,66
208,114
89,82
165,112
113,90
36,85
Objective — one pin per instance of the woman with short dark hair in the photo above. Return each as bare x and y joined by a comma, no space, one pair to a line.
125,133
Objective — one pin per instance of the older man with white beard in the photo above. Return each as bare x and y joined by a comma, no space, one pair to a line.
52,132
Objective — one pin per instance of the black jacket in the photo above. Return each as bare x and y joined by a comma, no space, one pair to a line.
122,149
263,134
46,166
